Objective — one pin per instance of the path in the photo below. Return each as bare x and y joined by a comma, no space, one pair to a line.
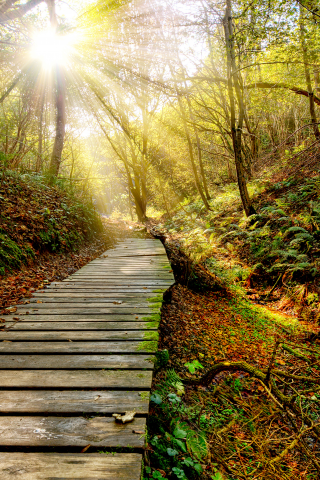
81,350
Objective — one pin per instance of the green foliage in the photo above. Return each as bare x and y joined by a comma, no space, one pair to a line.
193,366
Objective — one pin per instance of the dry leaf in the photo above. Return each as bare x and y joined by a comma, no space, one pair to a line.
85,448
126,418
11,309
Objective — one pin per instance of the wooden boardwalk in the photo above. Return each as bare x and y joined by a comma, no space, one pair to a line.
77,352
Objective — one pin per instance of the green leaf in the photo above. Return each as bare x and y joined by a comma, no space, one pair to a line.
193,366
179,473
157,475
179,433
198,468
172,452
217,476
155,397
196,443
188,462
180,444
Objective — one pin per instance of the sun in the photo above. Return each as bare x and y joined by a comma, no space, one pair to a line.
51,49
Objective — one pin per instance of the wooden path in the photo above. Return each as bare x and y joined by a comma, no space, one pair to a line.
77,352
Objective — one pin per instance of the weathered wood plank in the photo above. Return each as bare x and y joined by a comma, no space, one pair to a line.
70,431
87,336
82,311
74,347
90,325
83,361
87,466
124,281
88,317
49,294
108,289
76,401
76,303
121,379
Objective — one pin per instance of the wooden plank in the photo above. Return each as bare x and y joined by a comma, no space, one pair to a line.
48,294
87,336
74,401
121,379
108,289
86,466
82,311
70,431
90,325
88,317
83,361
119,282
77,303
74,347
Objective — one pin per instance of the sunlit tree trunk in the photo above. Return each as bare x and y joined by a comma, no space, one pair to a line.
305,55
60,122
60,98
236,130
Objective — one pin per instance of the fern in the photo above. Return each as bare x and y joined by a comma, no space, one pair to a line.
173,380
295,230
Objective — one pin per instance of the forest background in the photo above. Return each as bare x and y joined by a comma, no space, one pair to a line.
199,117
144,105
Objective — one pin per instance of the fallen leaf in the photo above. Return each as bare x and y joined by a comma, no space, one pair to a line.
126,418
85,448
11,309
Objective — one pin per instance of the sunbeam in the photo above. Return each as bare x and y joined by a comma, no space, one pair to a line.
52,49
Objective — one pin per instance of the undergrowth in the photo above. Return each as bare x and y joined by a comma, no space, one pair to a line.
277,249
35,218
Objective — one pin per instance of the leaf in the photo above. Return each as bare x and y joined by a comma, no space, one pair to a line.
172,452
192,366
179,433
126,418
196,443
180,444
157,475
217,476
85,448
155,397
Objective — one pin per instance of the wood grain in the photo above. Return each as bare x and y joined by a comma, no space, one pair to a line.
121,379
87,466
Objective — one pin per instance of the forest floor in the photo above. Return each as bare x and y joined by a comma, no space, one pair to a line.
236,424
237,387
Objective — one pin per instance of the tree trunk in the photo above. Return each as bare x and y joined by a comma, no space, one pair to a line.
236,131
304,49
60,122
40,135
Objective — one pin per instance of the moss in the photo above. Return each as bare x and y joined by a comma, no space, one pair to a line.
152,325
158,298
154,317
11,255
148,346
151,336
144,395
